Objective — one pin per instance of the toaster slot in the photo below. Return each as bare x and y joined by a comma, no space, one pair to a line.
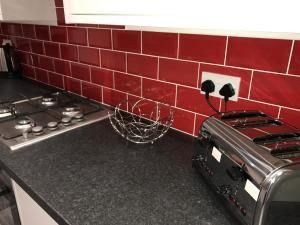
257,123
241,115
287,152
280,137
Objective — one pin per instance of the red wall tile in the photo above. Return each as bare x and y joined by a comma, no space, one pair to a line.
184,121
111,26
258,53
24,57
59,3
180,72
52,49
21,44
145,66
28,71
191,99
245,76
125,40
100,38
290,116
126,83
62,67
204,48
198,123
12,29
277,89
42,32
113,60
162,44
89,55
59,34
37,47
92,91
159,91
81,72
77,35
69,52
102,77
60,16
72,85
56,80
244,104
295,60
28,30
46,63
113,97
41,75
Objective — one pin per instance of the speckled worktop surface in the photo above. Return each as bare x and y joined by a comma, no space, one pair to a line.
91,176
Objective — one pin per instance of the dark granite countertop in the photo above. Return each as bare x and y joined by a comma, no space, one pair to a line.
91,176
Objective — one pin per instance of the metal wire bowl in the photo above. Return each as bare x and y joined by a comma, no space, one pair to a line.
142,121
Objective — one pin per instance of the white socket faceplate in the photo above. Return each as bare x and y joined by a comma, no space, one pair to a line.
220,80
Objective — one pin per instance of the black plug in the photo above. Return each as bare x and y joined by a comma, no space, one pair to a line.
208,87
227,91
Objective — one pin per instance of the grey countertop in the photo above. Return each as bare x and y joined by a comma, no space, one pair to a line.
92,176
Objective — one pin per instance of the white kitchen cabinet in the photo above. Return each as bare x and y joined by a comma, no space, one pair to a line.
28,11
29,211
229,17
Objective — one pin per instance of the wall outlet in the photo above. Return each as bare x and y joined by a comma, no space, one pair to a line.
5,41
221,79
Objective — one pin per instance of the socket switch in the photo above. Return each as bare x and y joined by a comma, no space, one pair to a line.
220,80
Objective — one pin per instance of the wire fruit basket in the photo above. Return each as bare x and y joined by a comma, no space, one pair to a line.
142,121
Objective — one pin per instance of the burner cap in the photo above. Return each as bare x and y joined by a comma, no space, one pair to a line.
37,130
5,112
66,120
52,125
71,111
78,117
23,121
49,100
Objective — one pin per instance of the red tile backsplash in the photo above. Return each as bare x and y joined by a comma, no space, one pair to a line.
259,53
52,49
59,34
291,116
109,63
113,60
203,48
100,38
295,60
145,66
177,71
92,91
281,90
69,52
89,55
102,77
80,71
125,40
77,35
161,44
128,84
42,32
159,91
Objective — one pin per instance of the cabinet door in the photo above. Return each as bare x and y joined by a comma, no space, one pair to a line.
29,11
29,211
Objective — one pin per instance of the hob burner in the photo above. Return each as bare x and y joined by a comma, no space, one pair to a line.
71,111
5,112
49,101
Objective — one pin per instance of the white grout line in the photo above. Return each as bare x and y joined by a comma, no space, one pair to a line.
198,78
176,95
289,62
279,112
111,39
141,42
158,61
250,85
113,75
195,120
225,57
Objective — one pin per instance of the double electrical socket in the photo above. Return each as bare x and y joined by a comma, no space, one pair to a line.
220,80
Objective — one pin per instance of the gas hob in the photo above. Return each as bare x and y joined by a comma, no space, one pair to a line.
32,120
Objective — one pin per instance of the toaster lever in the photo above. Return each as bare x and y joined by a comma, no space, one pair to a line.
235,173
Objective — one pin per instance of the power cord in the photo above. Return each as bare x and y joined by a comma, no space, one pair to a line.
227,91
208,87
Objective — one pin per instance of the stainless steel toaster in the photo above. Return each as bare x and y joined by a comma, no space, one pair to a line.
253,162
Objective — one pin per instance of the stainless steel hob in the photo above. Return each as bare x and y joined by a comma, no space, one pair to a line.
28,121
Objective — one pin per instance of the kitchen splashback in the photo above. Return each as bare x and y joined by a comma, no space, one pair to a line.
109,64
